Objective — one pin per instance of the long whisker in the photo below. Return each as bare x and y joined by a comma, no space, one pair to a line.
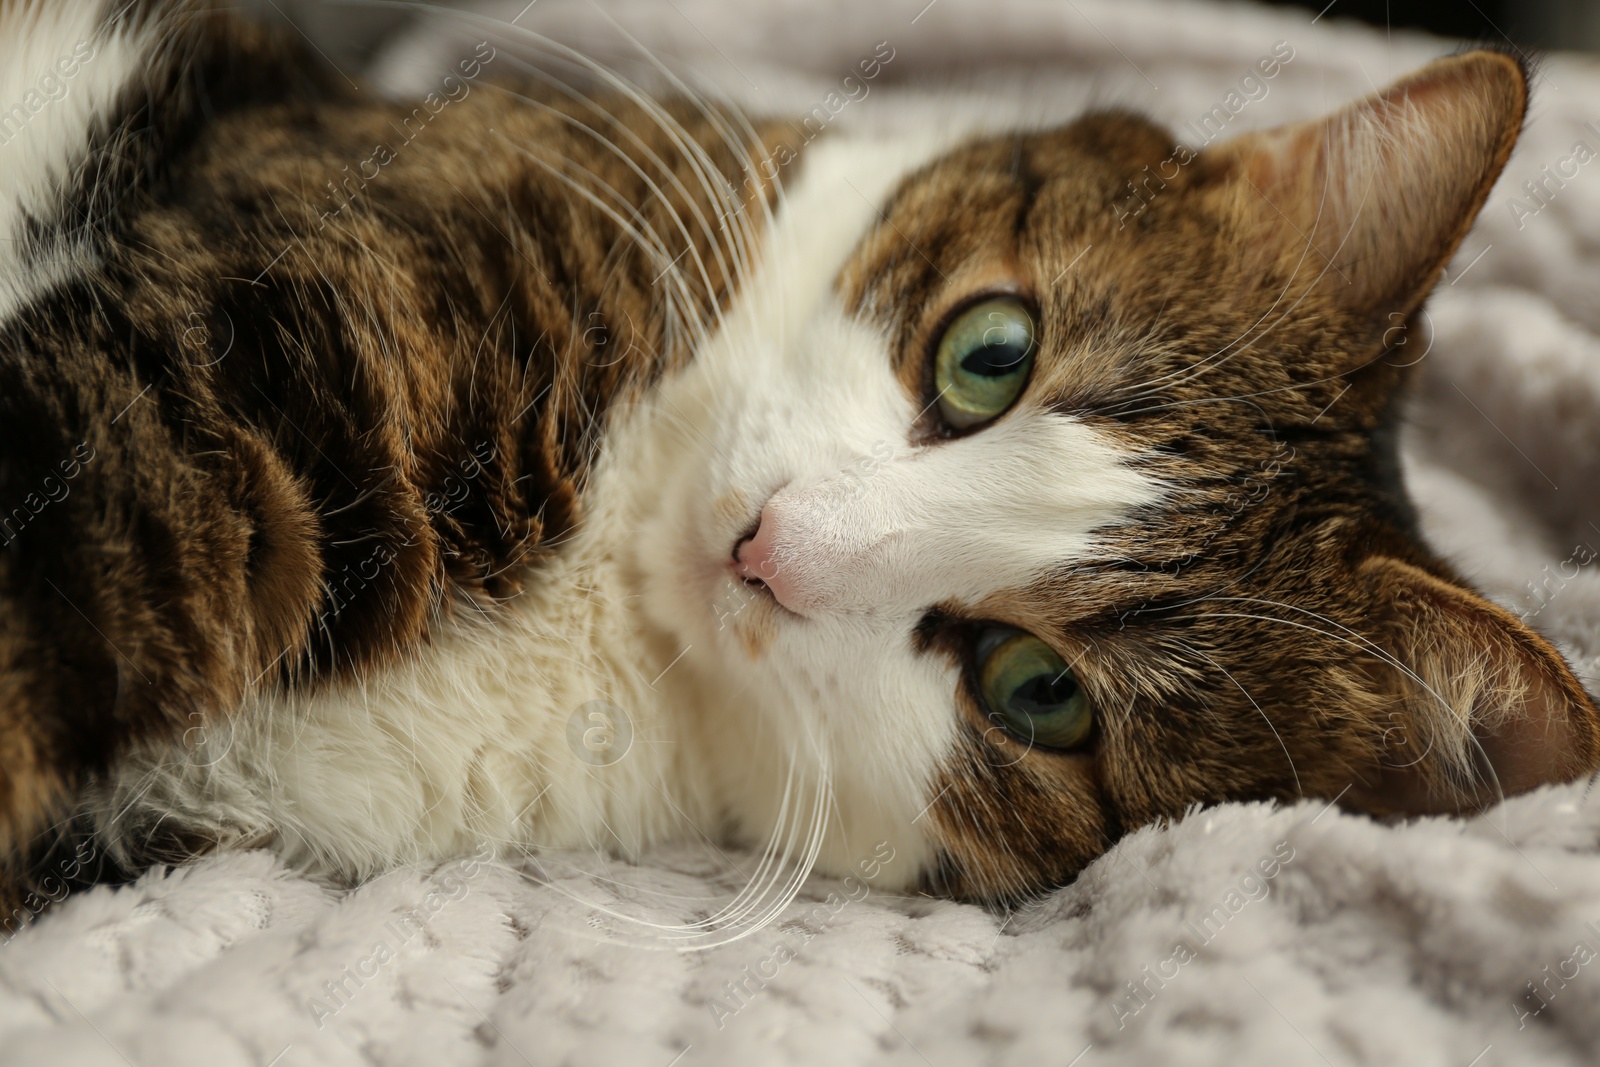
691,150
1358,640
1264,718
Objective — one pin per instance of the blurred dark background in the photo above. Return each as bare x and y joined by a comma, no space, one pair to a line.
1572,24
351,30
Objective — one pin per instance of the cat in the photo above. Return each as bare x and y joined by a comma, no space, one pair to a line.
526,468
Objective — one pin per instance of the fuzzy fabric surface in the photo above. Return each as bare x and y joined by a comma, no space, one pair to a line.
1244,934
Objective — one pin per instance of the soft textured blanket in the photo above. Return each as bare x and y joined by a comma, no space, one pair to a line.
1246,934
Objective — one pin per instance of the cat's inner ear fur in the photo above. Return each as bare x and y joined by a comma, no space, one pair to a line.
1474,704
1366,206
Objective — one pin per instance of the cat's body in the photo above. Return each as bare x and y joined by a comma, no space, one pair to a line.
537,471
487,730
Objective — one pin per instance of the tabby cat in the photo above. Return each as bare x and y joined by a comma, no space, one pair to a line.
546,469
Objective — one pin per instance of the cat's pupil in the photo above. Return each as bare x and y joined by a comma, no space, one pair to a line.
994,361
1043,693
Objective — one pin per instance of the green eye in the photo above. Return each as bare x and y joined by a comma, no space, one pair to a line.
1031,691
983,361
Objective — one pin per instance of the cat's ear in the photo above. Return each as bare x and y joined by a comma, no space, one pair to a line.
1474,704
1368,204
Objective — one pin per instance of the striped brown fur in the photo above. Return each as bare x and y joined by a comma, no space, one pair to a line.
328,402
340,370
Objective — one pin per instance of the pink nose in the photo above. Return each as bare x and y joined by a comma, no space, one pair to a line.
756,559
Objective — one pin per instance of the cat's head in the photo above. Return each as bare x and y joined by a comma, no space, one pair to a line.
1066,496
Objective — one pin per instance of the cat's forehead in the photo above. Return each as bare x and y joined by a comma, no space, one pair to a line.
1126,270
